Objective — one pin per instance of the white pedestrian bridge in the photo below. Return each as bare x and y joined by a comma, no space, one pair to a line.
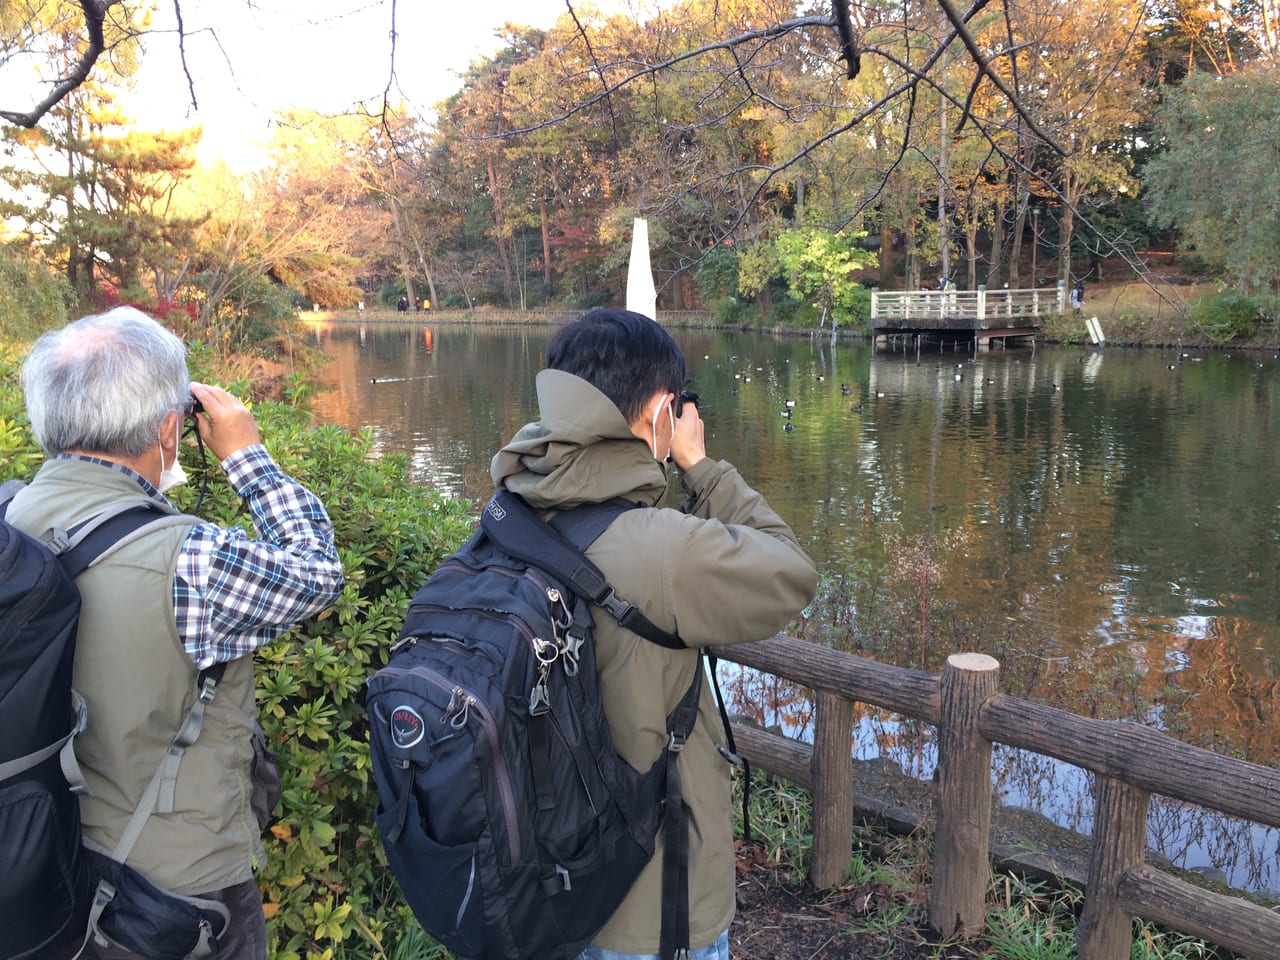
981,315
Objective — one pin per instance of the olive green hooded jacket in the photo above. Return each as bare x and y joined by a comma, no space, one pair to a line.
725,569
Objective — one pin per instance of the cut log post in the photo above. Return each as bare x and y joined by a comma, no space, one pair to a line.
961,861
831,773
1119,841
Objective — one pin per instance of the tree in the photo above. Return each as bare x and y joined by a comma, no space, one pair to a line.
1088,89
290,230
1218,175
88,190
820,268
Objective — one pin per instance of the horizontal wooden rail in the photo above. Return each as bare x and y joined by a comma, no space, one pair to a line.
914,693
1131,762
1139,755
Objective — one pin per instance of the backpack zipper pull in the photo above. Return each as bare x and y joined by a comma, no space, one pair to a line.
460,720
457,707
402,643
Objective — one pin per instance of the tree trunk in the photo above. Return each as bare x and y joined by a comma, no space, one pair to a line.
888,257
1067,228
1015,246
545,226
971,251
402,248
997,245
499,224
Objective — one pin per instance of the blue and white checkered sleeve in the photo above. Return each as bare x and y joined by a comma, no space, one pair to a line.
233,593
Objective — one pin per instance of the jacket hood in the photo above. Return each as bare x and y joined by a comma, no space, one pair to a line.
581,451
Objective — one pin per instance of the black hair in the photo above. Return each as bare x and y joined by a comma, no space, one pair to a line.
624,355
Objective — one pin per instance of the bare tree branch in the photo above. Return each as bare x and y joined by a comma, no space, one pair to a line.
182,52
95,14
613,119
651,69
844,31
959,24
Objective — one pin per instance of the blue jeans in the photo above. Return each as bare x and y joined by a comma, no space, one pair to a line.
712,951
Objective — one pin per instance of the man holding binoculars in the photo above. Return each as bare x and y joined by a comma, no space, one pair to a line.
723,569
107,397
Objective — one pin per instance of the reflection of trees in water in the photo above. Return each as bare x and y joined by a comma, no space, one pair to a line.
1189,836
1207,680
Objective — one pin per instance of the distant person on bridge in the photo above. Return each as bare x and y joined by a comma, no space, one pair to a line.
1077,296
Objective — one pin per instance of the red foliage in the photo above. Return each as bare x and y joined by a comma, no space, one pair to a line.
107,297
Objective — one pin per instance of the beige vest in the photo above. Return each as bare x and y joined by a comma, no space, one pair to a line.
139,684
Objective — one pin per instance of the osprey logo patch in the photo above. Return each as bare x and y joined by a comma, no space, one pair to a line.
407,727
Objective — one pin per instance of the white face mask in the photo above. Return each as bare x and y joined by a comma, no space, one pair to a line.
172,475
654,426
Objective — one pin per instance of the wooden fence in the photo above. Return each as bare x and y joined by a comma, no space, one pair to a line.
1131,762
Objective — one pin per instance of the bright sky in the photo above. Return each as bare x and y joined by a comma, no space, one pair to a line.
250,57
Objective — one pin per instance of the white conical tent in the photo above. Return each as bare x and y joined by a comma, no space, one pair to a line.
641,296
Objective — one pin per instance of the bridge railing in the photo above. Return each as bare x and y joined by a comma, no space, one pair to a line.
1131,762
980,305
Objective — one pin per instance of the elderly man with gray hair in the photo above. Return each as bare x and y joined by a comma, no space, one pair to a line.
107,397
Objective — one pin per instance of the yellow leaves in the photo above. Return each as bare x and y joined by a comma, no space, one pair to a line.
282,831
328,920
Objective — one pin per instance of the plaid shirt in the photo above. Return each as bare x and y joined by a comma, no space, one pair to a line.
233,594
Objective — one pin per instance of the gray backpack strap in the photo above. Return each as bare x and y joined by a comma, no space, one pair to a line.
62,746
158,796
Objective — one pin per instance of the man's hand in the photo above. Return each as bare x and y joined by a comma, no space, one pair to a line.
687,444
226,425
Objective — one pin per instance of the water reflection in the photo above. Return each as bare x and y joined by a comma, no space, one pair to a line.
1105,525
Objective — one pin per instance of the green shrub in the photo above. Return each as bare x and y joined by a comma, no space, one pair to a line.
1225,315
326,887
33,298
730,311
717,274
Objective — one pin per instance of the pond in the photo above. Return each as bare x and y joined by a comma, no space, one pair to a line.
1105,523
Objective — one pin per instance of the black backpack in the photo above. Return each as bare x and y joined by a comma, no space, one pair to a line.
51,887
512,825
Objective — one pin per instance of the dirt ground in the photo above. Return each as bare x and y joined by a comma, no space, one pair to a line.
781,918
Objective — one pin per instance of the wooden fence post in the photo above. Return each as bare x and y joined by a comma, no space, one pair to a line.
831,776
1119,841
962,797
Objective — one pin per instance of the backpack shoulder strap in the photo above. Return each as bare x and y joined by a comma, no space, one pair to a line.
7,491
159,792
510,523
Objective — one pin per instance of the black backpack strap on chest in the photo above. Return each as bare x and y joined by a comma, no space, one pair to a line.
557,547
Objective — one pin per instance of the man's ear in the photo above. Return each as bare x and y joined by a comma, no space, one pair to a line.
644,418
642,424
169,428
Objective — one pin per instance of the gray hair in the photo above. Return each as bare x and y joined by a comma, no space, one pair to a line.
105,383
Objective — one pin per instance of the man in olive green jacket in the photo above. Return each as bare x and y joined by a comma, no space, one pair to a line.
725,569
